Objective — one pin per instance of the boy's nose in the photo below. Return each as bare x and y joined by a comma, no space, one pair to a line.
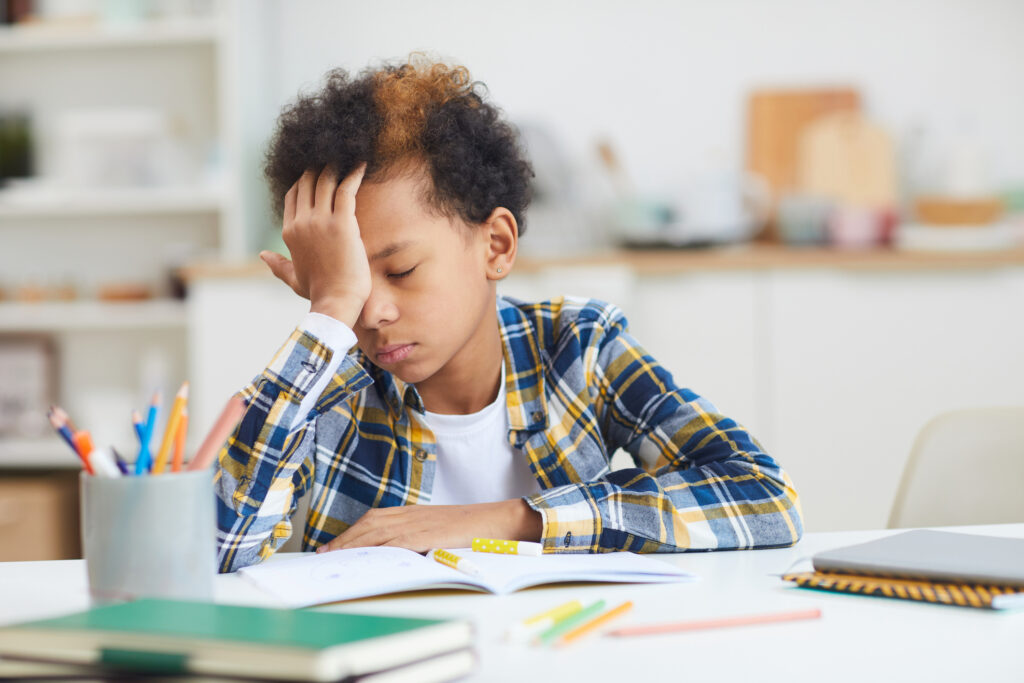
379,310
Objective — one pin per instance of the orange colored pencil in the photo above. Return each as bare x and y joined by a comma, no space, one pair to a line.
700,625
595,623
179,442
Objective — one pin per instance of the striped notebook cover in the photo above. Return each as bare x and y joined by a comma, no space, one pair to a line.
965,595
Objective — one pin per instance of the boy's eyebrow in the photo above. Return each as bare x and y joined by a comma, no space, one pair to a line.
392,248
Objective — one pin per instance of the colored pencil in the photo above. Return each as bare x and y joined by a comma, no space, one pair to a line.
145,460
179,442
594,623
700,625
122,464
140,429
524,631
171,429
568,623
59,420
218,434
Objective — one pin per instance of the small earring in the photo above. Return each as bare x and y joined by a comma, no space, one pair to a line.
499,269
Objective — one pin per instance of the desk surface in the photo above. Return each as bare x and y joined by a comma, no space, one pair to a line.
856,639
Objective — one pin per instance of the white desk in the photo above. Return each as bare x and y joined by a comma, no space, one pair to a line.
857,638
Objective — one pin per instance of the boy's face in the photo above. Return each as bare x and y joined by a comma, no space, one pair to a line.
430,294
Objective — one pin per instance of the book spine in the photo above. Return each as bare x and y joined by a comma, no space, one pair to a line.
141,660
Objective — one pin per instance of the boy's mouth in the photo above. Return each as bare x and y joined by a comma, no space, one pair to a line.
392,353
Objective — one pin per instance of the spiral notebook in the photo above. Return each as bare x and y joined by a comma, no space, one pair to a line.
969,570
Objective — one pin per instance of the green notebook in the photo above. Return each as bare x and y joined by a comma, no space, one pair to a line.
166,636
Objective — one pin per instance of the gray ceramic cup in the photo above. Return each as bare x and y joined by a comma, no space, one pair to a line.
149,536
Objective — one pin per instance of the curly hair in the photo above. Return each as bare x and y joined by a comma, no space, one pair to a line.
422,112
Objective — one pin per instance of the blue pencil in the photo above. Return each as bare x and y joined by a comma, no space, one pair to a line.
62,429
144,460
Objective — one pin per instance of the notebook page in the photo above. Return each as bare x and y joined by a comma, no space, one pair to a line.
508,573
317,578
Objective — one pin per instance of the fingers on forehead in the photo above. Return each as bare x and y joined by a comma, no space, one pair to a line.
352,181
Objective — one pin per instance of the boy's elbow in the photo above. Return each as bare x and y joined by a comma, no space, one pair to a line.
784,526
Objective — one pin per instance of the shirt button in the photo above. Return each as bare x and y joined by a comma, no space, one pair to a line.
309,366
420,455
537,415
568,539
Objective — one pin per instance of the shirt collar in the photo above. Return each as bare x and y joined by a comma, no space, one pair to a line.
524,369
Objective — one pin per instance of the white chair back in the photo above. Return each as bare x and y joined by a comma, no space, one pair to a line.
966,467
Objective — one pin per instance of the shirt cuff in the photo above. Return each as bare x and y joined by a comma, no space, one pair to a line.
570,520
338,338
331,332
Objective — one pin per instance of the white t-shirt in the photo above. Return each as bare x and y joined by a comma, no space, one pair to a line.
475,462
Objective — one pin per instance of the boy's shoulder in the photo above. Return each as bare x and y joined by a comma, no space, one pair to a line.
553,318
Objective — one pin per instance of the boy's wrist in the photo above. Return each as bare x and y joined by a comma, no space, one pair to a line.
528,523
345,309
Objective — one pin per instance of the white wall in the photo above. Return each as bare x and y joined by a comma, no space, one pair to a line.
668,80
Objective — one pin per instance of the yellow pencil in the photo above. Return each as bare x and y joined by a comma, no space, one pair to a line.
179,442
524,631
594,623
171,430
555,613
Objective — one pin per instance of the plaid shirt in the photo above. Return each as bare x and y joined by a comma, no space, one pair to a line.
579,387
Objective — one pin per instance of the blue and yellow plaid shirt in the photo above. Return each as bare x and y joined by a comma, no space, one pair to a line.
578,386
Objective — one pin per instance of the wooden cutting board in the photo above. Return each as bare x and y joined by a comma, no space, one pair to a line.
848,159
775,121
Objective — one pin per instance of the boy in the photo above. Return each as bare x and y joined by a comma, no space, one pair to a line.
460,414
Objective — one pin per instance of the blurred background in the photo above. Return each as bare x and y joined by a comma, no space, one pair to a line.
812,213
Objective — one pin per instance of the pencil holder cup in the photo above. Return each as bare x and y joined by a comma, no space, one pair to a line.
149,536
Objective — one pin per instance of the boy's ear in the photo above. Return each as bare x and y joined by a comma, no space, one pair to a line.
502,233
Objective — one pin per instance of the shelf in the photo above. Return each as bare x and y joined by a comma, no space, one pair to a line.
48,452
91,315
36,203
43,37
770,256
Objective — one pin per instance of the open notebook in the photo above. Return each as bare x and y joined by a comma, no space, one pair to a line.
313,579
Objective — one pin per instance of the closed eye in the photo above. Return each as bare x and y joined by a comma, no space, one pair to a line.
401,275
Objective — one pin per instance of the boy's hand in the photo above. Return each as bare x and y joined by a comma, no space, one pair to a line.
328,264
422,527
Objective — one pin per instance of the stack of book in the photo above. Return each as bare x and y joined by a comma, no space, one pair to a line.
930,566
168,638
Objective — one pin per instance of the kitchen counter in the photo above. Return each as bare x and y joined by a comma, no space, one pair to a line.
740,257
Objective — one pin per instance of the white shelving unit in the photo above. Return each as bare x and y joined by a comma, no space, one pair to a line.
183,31
59,316
41,453
87,237
116,202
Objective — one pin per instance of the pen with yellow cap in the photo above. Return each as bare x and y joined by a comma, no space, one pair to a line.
497,545
454,561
